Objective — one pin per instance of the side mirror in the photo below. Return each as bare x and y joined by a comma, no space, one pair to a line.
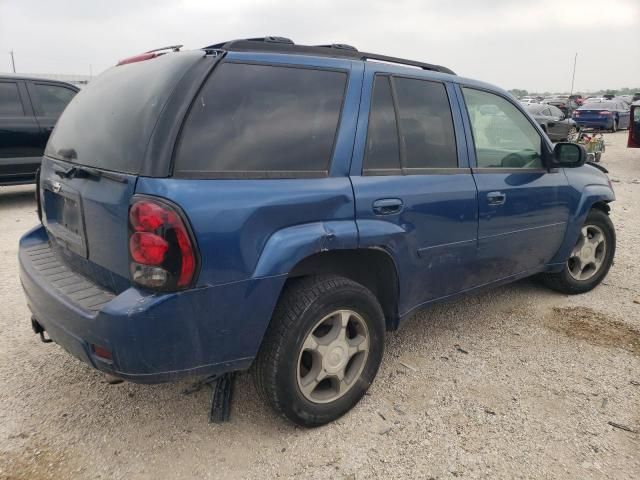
568,155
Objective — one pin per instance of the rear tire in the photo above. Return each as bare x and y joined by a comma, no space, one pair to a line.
587,267
324,327
614,127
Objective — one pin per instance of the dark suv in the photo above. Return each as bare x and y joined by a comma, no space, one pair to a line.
29,109
266,204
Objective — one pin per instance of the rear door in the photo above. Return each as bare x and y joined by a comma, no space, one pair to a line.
523,206
415,195
20,149
558,125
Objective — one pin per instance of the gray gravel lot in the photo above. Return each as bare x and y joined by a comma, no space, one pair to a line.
517,382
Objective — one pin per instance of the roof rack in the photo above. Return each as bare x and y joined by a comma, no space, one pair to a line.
340,50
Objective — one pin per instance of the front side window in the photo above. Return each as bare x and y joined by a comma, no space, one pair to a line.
426,124
53,99
263,121
10,103
503,136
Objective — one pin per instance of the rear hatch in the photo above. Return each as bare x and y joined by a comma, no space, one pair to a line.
93,160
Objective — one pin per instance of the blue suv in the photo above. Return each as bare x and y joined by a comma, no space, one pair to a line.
260,204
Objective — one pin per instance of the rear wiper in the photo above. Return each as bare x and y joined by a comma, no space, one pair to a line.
78,171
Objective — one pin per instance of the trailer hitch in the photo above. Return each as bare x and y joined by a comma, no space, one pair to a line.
39,329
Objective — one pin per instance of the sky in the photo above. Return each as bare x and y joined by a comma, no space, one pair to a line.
526,44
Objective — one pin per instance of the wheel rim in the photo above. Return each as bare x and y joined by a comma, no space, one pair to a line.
589,253
332,356
573,134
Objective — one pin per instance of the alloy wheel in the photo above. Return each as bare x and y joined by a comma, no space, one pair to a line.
589,253
333,356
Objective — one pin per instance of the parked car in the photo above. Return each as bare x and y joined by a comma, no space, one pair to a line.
29,108
267,204
607,115
577,98
528,101
634,126
553,121
594,100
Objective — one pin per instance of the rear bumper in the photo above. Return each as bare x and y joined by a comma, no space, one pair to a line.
604,124
152,337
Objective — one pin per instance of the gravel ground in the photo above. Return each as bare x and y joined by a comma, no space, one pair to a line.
517,382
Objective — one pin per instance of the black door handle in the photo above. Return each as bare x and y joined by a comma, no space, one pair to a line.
496,198
387,206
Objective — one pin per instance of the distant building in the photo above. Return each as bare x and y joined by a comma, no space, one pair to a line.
78,80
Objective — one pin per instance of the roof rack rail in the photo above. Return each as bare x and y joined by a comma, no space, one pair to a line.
404,61
339,46
339,50
268,39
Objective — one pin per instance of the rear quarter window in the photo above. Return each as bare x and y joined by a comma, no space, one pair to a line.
268,121
10,104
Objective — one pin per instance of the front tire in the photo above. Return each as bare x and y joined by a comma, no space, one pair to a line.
591,258
322,349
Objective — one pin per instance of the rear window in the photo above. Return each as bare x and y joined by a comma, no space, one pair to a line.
109,122
262,121
53,98
604,105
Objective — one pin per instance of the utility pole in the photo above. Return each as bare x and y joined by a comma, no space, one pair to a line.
573,77
13,63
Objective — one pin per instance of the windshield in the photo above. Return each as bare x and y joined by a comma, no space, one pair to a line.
109,123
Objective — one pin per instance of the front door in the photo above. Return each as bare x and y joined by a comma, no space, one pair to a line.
523,206
415,195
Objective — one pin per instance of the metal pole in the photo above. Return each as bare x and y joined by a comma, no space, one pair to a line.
573,77
13,63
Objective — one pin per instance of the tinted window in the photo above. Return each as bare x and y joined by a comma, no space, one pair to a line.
426,125
556,112
53,99
266,120
10,104
110,121
504,139
383,149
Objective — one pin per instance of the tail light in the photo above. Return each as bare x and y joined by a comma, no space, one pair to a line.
605,113
576,113
162,251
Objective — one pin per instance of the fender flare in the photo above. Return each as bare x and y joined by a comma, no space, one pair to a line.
286,247
591,195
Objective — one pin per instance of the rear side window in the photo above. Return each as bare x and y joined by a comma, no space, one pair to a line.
262,121
383,148
53,99
10,104
426,124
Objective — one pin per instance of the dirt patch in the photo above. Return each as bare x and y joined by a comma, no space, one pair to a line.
34,463
594,327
